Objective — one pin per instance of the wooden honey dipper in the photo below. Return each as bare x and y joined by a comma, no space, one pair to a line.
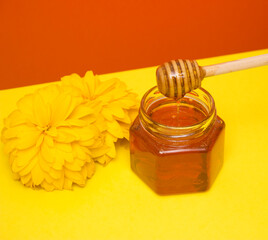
178,77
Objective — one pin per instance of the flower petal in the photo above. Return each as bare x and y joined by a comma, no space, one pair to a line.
61,108
103,159
67,135
107,113
47,152
106,87
91,82
75,165
76,81
116,110
90,169
75,176
59,183
28,138
28,168
115,129
49,141
60,157
67,184
14,119
37,175
49,93
25,105
10,146
47,186
79,151
97,152
41,111
25,156
25,179
81,111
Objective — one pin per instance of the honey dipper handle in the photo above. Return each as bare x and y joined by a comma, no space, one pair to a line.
237,65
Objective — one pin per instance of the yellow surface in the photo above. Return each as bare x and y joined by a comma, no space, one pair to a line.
115,204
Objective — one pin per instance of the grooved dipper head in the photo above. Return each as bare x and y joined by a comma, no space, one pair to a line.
178,77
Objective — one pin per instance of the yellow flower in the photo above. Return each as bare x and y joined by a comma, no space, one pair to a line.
115,107
49,138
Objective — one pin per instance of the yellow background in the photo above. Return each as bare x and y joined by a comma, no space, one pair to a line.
115,204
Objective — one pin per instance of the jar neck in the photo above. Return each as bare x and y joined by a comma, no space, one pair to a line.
198,100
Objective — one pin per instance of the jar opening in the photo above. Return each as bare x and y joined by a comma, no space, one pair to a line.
190,115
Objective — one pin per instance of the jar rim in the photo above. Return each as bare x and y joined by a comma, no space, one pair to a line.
182,129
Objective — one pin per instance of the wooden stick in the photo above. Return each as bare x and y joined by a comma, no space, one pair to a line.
237,65
176,78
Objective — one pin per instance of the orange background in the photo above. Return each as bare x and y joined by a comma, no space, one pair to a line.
40,41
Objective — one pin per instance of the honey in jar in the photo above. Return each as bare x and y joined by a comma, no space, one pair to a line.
176,146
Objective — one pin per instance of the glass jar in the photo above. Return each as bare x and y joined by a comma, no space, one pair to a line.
176,146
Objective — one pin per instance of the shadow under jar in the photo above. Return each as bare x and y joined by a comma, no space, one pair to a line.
176,146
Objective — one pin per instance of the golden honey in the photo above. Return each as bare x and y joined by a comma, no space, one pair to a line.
176,146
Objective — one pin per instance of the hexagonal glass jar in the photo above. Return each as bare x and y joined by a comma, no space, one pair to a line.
176,146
